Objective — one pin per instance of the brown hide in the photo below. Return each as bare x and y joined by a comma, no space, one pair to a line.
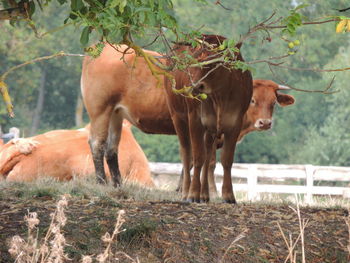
63,154
198,124
128,87
113,90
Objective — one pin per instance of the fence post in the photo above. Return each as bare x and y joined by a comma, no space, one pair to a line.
309,170
252,181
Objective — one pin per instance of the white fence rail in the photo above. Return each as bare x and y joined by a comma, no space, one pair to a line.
257,174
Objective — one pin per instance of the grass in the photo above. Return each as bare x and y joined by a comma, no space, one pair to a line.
137,234
53,247
107,195
133,234
85,187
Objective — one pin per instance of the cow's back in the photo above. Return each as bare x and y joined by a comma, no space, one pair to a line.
126,84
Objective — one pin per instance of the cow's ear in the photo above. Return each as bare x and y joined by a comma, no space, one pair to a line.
285,99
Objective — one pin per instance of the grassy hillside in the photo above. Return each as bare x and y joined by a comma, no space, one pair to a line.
159,228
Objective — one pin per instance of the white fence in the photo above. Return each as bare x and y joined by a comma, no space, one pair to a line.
256,176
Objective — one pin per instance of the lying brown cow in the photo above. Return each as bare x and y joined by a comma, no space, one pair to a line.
63,154
114,88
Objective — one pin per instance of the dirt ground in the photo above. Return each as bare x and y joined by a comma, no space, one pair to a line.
180,232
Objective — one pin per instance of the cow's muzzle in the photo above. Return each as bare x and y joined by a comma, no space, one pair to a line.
263,124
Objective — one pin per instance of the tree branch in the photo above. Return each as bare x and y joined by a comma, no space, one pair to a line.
3,87
218,2
267,25
342,10
304,69
324,91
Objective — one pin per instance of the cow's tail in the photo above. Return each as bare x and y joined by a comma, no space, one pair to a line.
12,152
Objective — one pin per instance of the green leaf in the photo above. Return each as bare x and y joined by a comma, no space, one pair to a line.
76,5
151,3
73,16
143,9
142,17
343,17
231,43
113,3
84,38
122,5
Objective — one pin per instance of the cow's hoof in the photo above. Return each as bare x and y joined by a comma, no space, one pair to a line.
193,200
230,201
101,180
205,200
116,184
185,200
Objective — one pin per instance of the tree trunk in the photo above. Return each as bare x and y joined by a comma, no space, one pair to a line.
79,110
39,105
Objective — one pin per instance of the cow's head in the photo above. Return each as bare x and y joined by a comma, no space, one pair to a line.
264,98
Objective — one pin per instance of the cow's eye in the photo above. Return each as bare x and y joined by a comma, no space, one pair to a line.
253,101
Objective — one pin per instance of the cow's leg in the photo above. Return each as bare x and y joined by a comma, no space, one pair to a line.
179,183
211,177
227,155
209,149
185,153
198,153
111,154
97,142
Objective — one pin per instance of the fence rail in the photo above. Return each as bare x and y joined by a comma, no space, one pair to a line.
256,174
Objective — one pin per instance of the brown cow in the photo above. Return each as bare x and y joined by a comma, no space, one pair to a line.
114,88
63,154
198,124
257,118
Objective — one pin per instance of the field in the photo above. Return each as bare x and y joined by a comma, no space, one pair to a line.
159,228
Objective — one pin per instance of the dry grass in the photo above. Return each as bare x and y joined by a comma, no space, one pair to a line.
347,222
289,199
290,243
233,243
50,249
85,187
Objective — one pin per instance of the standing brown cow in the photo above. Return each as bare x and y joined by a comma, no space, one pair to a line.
257,118
114,88
198,124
